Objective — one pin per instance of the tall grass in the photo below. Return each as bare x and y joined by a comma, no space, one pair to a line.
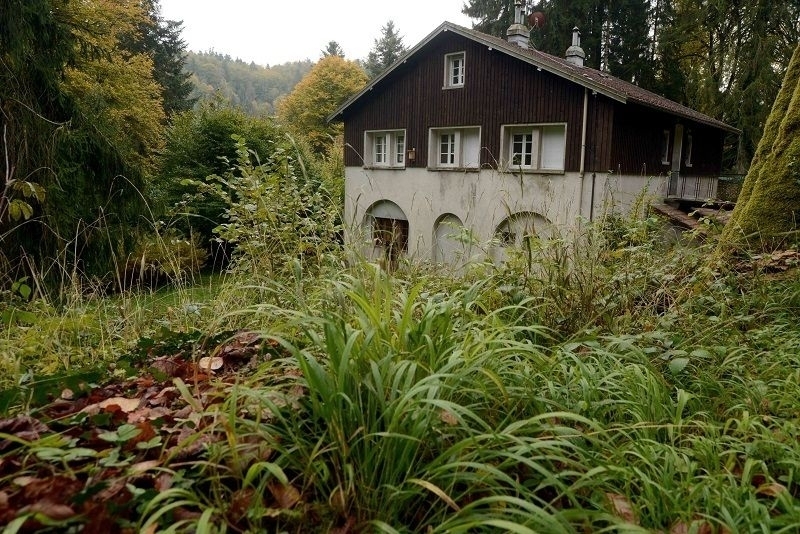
602,384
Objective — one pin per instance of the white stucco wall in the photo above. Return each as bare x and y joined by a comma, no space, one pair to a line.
483,200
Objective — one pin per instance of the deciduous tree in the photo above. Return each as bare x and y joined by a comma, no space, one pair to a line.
329,84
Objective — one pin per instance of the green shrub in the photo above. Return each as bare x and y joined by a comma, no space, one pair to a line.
159,259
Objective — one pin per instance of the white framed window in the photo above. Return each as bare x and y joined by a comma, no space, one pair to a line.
665,147
689,149
400,149
385,148
454,69
534,147
454,148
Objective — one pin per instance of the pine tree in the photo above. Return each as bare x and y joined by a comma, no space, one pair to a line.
161,39
494,16
333,49
387,49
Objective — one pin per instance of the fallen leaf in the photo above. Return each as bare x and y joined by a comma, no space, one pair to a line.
448,418
22,427
125,405
241,502
67,394
163,482
285,495
50,509
772,489
166,366
141,467
210,363
148,414
622,507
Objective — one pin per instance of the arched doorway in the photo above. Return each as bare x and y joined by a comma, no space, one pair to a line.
448,247
386,226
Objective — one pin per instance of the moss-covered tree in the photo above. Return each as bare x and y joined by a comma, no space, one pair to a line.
768,207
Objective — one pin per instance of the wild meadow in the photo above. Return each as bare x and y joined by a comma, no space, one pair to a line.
610,381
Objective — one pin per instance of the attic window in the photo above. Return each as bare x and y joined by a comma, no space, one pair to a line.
454,70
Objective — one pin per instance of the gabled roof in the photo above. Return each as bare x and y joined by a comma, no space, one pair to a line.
593,79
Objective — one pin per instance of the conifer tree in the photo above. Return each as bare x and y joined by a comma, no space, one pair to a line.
387,49
333,49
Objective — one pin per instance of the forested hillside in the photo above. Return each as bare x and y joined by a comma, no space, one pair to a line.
253,88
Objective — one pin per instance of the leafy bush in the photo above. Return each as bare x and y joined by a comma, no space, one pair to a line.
275,213
200,144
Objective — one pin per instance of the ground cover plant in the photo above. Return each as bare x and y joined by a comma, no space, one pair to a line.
579,387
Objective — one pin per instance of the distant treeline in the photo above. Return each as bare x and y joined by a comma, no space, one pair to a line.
253,88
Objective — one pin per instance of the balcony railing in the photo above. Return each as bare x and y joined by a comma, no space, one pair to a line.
691,187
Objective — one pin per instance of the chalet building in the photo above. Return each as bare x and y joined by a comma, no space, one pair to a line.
469,135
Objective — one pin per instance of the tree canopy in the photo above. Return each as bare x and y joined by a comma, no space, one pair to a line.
332,49
328,85
253,88
82,116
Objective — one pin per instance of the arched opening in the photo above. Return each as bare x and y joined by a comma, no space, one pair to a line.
448,242
520,226
387,227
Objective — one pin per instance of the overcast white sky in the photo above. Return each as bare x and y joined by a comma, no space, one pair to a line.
271,32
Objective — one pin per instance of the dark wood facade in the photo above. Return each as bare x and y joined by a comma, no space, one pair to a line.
500,89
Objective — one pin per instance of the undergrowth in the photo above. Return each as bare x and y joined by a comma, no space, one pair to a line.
606,382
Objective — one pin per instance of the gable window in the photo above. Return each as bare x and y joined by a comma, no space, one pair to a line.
385,149
454,70
665,147
534,147
454,148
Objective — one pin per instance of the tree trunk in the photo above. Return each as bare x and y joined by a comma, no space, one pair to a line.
767,210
